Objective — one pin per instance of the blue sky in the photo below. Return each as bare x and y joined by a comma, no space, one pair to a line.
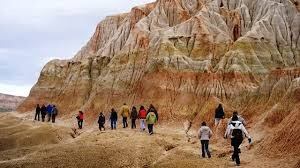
32,32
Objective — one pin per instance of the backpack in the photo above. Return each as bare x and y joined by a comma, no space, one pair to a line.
238,134
55,111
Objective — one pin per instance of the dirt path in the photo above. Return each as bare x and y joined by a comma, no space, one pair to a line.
25,143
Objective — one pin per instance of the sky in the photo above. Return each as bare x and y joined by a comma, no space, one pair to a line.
33,32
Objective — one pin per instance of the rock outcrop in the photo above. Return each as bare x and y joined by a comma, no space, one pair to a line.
9,102
177,54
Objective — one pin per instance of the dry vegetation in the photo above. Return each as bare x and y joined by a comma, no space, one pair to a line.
25,143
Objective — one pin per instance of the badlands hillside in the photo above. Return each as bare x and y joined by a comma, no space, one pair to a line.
9,102
177,54
185,57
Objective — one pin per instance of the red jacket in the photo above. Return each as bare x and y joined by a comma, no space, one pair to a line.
142,114
81,116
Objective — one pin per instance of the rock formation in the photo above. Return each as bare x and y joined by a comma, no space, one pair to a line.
185,56
171,51
9,102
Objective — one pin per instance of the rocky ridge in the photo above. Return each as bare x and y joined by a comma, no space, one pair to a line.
220,48
9,102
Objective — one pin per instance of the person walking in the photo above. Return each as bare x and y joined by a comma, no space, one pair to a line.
133,117
49,112
151,119
236,131
113,119
125,114
43,112
80,119
54,113
219,114
204,134
153,109
142,117
37,112
101,121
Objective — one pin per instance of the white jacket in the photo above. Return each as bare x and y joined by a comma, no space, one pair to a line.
236,125
241,119
204,133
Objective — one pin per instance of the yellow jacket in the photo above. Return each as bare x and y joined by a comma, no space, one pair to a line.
125,111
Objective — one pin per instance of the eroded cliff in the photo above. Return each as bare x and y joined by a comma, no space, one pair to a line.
175,53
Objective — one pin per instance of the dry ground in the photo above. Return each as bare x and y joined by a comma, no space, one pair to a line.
25,143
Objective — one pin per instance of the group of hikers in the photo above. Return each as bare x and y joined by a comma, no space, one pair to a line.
50,110
149,117
235,127
235,130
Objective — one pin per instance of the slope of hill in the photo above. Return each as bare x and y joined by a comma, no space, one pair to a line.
9,102
24,143
185,57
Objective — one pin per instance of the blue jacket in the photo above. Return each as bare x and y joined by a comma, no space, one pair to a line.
49,109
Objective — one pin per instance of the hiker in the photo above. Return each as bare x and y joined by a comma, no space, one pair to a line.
204,134
113,119
153,109
240,118
125,114
151,119
49,111
79,118
54,113
101,121
142,116
236,131
219,114
43,112
133,117
37,112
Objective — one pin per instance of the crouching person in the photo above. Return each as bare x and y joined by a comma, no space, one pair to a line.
204,134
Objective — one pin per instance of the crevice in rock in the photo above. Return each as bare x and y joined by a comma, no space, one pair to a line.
236,32
221,4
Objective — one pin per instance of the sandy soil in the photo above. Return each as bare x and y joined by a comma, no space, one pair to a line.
27,143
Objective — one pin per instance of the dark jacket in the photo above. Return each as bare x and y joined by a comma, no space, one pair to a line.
38,109
219,113
54,111
113,116
43,110
134,114
101,119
